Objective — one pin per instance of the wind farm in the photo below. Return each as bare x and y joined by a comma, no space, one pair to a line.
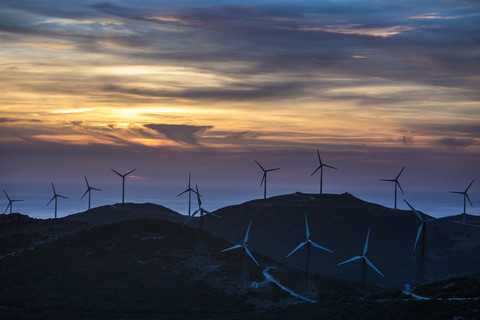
335,106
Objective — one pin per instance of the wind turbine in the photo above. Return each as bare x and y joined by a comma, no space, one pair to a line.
189,190
264,178
465,198
201,210
422,227
422,230
89,191
365,261
10,202
396,184
244,245
309,244
55,197
123,182
320,167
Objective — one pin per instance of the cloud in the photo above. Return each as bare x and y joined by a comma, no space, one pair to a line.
244,135
76,123
456,142
14,120
360,30
432,16
180,133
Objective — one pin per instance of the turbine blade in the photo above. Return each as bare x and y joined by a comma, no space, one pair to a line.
365,248
126,174
182,193
6,194
319,159
189,218
51,199
84,194
96,189
260,166
53,187
373,267
326,165
398,184
457,192
400,173
418,235
319,246
88,186
232,248
273,169
414,211
245,240
390,180
116,172
307,231
315,171
263,178
251,256
9,204
198,196
469,186
299,246
468,198
210,213
62,196
349,260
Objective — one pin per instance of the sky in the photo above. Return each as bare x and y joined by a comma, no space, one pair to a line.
207,87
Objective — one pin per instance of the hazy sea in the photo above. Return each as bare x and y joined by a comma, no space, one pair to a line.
37,195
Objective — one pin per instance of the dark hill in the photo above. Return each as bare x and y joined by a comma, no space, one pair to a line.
340,223
126,211
142,269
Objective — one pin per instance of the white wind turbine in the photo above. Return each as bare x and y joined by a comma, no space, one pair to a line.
365,261
10,202
123,182
320,167
55,197
264,178
89,191
309,244
465,198
201,210
395,181
189,190
244,245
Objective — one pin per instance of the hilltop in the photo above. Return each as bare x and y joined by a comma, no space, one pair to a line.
340,223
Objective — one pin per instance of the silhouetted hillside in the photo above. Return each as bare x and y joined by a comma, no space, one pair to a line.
126,211
340,223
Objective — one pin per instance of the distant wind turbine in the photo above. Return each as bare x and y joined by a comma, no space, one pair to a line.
123,182
189,190
396,184
309,243
422,227
320,167
465,198
244,245
365,261
89,191
200,210
10,202
55,197
422,231
264,178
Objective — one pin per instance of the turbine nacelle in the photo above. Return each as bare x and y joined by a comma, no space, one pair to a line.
307,233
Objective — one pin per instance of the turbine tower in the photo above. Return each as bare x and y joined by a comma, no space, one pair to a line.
465,198
123,182
264,178
189,190
244,245
320,167
55,197
309,244
89,191
396,184
10,202
201,210
365,261
422,231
